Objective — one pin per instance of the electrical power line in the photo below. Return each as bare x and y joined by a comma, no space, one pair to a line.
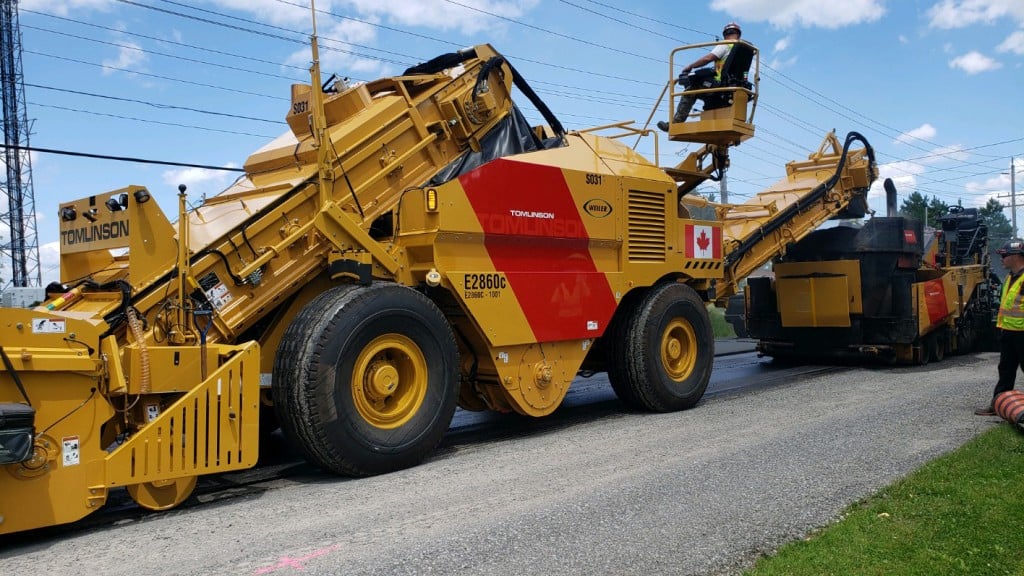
150,75
121,158
618,99
153,104
175,56
149,121
165,40
656,21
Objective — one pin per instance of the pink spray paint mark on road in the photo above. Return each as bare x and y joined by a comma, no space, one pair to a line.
295,563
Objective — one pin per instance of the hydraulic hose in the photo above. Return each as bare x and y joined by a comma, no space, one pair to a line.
804,202
445,61
140,340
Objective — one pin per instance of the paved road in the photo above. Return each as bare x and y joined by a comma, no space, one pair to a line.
698,492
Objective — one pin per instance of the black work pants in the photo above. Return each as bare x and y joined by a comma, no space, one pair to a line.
1011,357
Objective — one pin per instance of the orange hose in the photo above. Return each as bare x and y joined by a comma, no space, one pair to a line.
140,340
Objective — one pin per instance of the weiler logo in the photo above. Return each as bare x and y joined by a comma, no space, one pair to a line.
597,208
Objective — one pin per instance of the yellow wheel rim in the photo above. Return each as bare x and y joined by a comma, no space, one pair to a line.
389,381
162,494
678,349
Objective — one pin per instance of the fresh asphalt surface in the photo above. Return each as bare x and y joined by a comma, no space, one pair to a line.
592,489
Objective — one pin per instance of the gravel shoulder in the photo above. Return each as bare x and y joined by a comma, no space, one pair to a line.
698,492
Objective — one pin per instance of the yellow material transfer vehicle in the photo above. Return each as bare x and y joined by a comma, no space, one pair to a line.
410,245
885,289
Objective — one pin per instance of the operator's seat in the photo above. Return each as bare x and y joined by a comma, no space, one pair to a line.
734,74
725,119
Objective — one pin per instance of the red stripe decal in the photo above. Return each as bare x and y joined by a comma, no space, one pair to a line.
935,301
534,234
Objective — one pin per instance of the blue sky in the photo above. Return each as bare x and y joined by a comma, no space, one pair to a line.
934,85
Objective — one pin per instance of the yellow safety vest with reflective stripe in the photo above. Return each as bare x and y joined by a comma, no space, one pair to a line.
720,63
1011,305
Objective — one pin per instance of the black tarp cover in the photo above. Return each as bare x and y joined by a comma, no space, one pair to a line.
511,136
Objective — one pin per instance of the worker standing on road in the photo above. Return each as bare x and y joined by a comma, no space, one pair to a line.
1010,322
731,33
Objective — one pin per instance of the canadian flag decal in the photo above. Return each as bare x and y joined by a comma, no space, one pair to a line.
703,242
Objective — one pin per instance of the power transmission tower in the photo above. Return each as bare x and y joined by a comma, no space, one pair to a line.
23,248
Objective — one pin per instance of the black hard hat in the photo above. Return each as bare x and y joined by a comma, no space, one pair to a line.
1012,246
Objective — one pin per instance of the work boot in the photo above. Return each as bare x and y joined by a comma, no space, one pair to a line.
663,126
988,410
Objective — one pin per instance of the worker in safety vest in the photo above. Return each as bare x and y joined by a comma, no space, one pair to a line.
731,33
1010,322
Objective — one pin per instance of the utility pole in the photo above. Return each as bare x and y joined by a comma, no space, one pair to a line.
23,248
1013,197
723,188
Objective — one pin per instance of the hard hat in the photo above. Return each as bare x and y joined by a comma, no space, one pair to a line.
732,27
1012,246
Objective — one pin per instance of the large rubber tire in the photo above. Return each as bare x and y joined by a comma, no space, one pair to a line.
967,337
735,314
615,338
366,379
664,350
938,345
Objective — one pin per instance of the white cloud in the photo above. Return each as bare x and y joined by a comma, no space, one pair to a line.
905,173
974,63
337,34
805,13
998,187
200,181
923,132
49,256
782,44
290,13
1013,43
470,17
66,7
953,152
467,16
49,262
901,169
338,56
949,14
903,39
129,57
779,64
995,185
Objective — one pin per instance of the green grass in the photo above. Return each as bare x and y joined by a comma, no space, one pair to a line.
960,514
722,328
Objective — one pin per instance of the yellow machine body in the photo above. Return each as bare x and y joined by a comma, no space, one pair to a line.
814,294
883,292
378,263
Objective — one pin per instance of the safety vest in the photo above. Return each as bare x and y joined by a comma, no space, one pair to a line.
720,63
1011,305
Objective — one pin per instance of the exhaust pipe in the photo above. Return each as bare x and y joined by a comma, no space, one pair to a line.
890,197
